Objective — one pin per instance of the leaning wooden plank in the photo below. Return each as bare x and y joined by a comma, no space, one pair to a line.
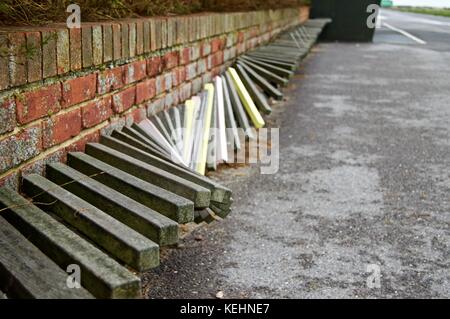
171,129
198,131
201,164
230,121
144,220
132,140
117,239
145,137
258,97
238,109
222,153
25,272
153,131
270,76
131,131
176,118
262,82
211,157
285,65
218,192
270,67
194,192
100,274
166,203
273,56
246,99
188,129
158,121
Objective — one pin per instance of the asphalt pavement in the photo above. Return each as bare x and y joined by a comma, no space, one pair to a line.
363,190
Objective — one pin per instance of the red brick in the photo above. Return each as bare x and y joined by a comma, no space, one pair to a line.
205,49
7,114
34,62
79,89
160,84
154,66
145,90
240,37
185,91
19,148
108,80
79,146
34,104
123,100
61,128
11,181
133,72
170,60
216,59
178,76
136,116
75,49
96,112
185,56
216,45
17,46
38,166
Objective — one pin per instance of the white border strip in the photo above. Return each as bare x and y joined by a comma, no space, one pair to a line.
406,34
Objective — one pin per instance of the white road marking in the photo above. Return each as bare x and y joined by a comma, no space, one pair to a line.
403,32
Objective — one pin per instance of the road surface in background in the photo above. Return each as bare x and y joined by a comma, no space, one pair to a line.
364,183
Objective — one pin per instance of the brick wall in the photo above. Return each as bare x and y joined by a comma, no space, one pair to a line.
61,88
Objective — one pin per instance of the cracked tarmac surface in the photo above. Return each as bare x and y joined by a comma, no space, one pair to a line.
364,179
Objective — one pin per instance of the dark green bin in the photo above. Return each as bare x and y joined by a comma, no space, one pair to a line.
349,19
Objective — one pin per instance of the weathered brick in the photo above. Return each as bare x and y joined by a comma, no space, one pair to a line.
240,37
125,41
11,181
229,54
60,128
132,38
39,166
197,85
154,66
37,103
155,107
79,89
185,56
97,44
202,66
62,51
34,62
170,60
107,43
135,71
4,64
195,53
86,45
167,81
146,36
216,45
7,114
96,112
17,62
124,100
185,91
178,76
136,116
75,49
79,145
191,71
139,37
19,148
216,59
170,99
205,49
206,78
108,80
145,90
160,84
117,41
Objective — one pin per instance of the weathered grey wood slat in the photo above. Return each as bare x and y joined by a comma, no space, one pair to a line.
25,272
270,67
142,219
204,215
150,173
230,121
266,74
176,118
273,57
285,65
262,82
238,108
259,98
100,274
2,295
143,133
119,240
211,162
218,192
164,202
157,149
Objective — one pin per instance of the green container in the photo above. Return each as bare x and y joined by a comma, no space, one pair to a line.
349,19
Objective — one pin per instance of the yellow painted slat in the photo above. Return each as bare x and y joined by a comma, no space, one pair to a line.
249,105
201,164
189,108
